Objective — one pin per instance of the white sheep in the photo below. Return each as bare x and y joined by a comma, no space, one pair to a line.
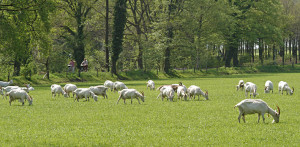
118,86
268,86
68,88
99,90
130,94
250,88
4,84
19,94
182,92
166,91
85,93
195,90
251,106
57,89
151,85
9,88
109,84
240,85
283,86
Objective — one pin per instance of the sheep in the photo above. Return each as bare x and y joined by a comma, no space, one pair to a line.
251,88
99,90
182,92
195,90
283,86
240,85
251,106
109,84
1,90
118,86
268,86
85,93
166,91
70,88
130,94
4,84
9,88
57,89
20,94
174,86
151,85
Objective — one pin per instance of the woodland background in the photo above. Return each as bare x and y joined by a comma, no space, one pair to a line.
41,36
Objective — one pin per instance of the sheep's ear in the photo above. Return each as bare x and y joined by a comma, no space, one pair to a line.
265,88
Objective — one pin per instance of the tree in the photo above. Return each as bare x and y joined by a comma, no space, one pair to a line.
118,31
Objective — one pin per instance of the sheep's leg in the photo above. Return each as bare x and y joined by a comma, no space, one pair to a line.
243,117
198,97
124,101
138,100
258,118
131,100
119,99
158,96
239,118
262,115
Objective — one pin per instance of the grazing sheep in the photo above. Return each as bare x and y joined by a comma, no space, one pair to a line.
182,92
195,90
251,106
70,88
130,94
1,90
19,94
240,85
151,85
85,93
118,86
166,91
173,86
4,84
57,89
283,86
9,88
109,84
99,90
251,88
268,86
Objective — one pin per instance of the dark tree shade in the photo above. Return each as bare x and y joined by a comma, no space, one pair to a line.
117,34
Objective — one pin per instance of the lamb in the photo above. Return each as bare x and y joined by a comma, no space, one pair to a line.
109,84
130,94
57,89
19,94
99,90
70,88
240,85
251,88
251,106
173,86
4,84
268,86
283,86
168,92
182,92
195,90
118,86
85,93
151,85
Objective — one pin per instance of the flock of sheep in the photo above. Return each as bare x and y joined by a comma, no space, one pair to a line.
252,106
247,106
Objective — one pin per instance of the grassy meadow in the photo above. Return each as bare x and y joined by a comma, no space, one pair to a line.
213,122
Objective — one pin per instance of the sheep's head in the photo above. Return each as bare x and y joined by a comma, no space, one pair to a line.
206,95
30,99
95,98
267,89
143,96
277,115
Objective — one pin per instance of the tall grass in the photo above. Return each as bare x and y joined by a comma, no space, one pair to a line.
63,122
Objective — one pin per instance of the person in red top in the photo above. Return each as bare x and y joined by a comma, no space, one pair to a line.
71,65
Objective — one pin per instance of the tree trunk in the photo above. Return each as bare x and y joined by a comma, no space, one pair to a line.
17,66
260,49
106,37
47,68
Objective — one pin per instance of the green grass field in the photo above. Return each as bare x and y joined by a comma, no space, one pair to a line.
63,122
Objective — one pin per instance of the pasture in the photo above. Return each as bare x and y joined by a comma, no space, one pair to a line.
213,122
